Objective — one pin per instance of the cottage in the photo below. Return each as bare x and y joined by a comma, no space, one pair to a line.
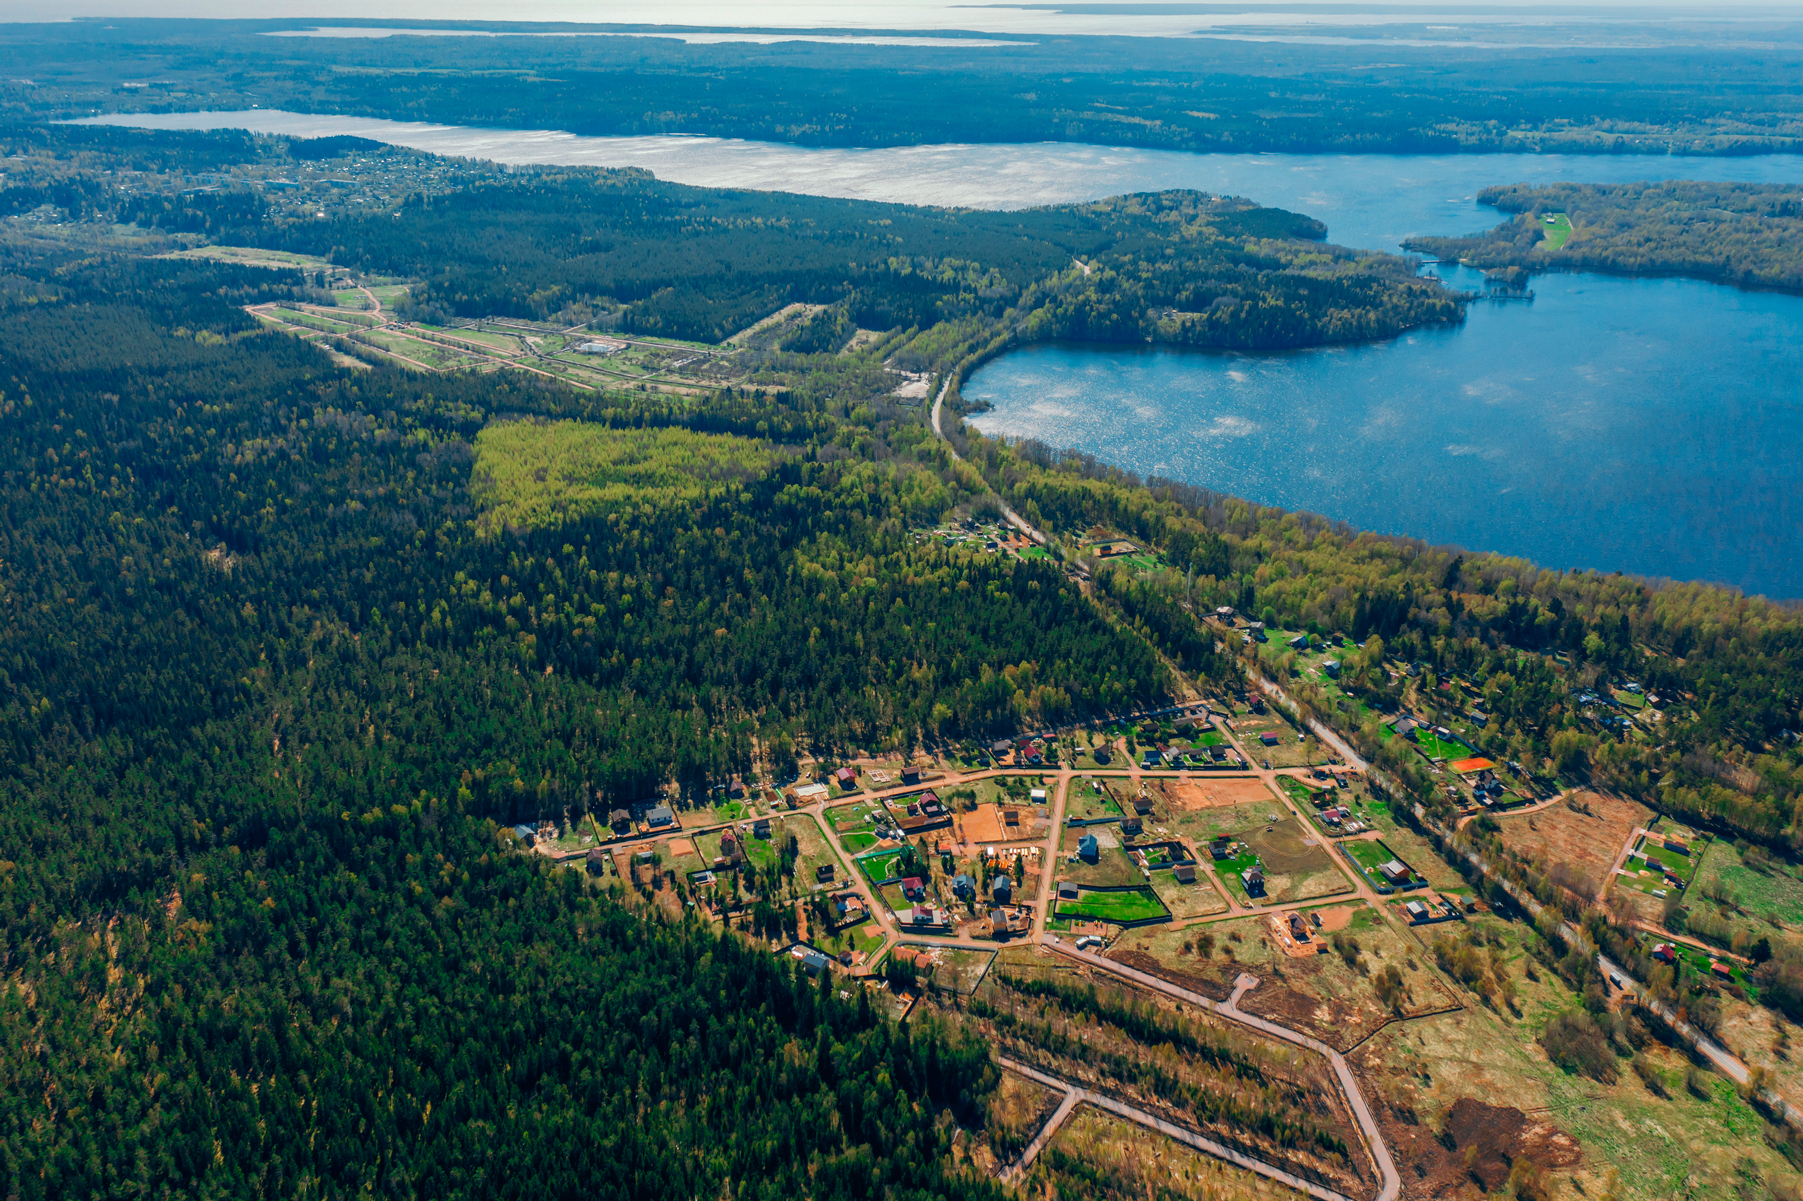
1088,849
597,862
1001,889
812,961
761,828
1676,847
1036,795
910,775
527,834
1394,872
729,848
1664,954
914,888
736,789
824,873
620,820
1067,891
1299,642
1219,848
963,887
1417,911
924,915
1331,670
1131,825
1000,747
1011,817
930,805
1184,873
1254,881
846,777
1268,738
1720,970
659,816
1298,928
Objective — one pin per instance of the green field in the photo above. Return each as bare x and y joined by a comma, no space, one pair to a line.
1555,231
1435,747
860,841
1131,906
1772,892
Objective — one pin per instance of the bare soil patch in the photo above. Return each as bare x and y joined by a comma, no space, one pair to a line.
1212,793
1209,977
985,824
1584,841
681,846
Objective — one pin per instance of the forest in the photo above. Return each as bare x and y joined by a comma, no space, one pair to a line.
1170,94
701,264
1750,235
285,644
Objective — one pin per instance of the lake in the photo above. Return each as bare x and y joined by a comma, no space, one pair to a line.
1648,426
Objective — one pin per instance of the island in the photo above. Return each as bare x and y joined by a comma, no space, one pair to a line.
1750,235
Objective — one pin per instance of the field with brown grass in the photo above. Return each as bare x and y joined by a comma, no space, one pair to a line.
1584,834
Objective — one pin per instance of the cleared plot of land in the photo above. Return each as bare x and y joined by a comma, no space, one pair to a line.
1555,231
1760,885
955,968
1585,838
1017,1109
1334,996
1136,1162
1111,866
1481,1076
1296,866
1216,792
1200,899
1202,826
1202,959
1415,851
1088,799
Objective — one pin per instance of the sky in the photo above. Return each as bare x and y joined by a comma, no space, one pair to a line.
1086,17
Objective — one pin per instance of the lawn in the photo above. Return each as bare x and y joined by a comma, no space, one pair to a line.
1132,906
861,841
1555,231
1435,747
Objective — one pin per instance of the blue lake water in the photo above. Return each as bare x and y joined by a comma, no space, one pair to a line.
1650,426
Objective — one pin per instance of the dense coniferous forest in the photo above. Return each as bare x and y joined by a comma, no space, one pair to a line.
1745,234
1163,93
702,264
287,643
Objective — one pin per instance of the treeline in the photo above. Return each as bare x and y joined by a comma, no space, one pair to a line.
1745,234
266,687
1729,668
702,264
1126,91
